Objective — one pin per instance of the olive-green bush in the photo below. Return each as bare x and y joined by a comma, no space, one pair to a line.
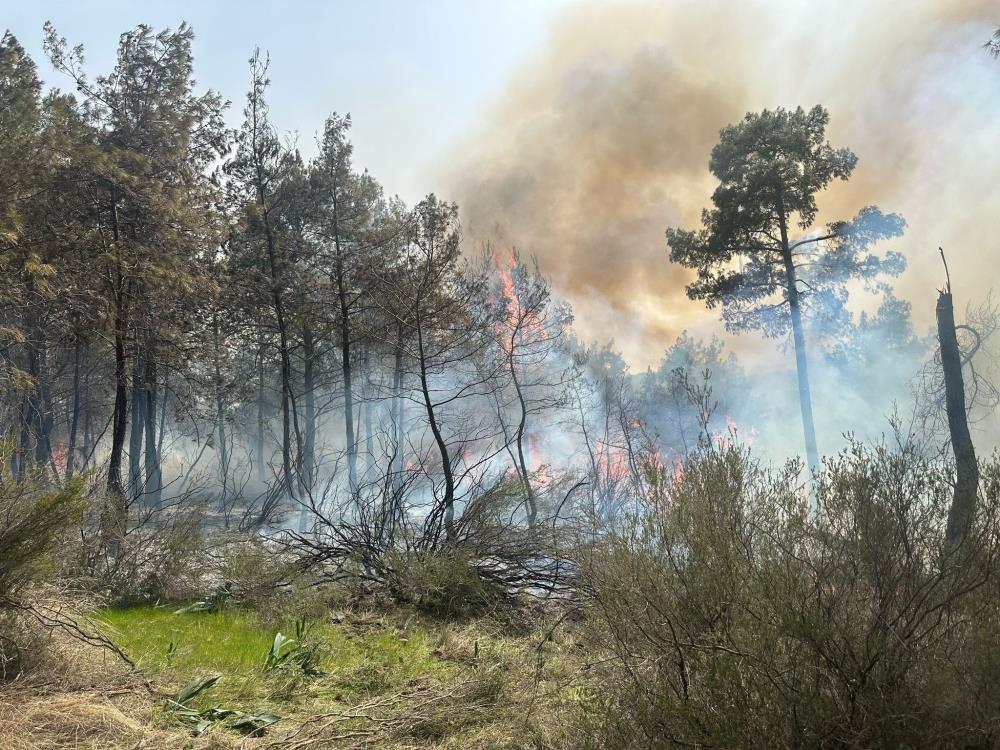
740,610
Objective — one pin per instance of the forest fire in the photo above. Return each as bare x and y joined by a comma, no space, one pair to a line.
748,499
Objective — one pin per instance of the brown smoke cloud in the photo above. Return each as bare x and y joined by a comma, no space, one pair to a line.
602,141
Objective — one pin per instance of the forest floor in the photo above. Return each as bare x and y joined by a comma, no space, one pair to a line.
355,679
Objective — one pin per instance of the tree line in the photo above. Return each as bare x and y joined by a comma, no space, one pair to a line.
176,288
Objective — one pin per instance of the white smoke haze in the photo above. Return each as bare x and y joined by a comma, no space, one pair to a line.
602,141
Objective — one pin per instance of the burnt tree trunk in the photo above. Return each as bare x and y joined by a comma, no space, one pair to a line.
397,417
350,436
116,510
43,438
259,446
963,504
447,506
368,417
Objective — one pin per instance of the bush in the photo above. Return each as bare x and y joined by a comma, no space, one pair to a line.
442,582
732,616
33,518
161,556
267,579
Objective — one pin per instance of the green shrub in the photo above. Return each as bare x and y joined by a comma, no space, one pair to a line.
32,518
727,614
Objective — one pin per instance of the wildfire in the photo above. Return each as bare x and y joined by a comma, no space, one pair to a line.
520,323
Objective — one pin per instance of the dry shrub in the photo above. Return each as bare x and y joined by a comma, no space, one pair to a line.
161,556
269,580
442,583
34,518
732,616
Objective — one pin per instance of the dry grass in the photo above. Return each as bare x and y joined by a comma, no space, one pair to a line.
400,682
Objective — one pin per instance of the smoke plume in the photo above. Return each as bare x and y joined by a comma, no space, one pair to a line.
602,140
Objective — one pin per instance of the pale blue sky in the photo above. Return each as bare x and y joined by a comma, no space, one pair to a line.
414,75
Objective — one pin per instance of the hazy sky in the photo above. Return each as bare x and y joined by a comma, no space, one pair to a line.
579,130
413,75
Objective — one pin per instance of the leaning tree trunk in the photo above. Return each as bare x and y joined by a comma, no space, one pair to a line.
448,498
963,504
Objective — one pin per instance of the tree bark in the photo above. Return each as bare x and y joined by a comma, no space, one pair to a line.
220,410
799,340
529,493
350,436
286,362
74,421
448,500
397,416
154,479
116,510
44,419
259,448
309,385
963,504
368,418
138,421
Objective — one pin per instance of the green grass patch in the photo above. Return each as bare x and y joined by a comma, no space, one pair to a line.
177,647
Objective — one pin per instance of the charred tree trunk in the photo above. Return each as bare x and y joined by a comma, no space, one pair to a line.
30,408
448,499
259,447
397,416
522,422
963,505
116,511
44,419
287,478
368,418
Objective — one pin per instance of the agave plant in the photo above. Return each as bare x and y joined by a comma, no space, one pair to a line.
212,603
200,721
297,652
